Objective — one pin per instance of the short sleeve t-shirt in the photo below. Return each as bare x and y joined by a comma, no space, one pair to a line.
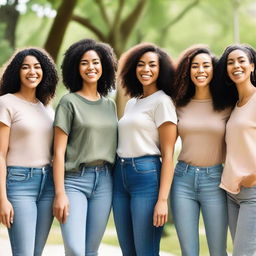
91,127
31,131
138,128
202,133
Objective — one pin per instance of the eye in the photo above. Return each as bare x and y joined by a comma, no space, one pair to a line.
96,62
230,62
194,66
140,65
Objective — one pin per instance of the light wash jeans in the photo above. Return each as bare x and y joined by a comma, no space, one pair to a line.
136,187
90,197
194,189
31,192
242,221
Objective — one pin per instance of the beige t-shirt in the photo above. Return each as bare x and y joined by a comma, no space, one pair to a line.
202,132
31,131
240,164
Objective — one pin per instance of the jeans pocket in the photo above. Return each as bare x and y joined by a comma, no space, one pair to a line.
146,166
17,175
179,171
215,175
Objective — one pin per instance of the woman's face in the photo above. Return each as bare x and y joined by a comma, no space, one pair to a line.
201,70
90,67
147,69
31,73
239,67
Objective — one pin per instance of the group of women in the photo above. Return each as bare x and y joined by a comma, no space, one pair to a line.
98,161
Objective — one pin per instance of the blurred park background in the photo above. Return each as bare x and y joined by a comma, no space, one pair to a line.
172,24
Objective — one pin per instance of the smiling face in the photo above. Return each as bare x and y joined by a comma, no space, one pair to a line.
239,67
147,69
90,67
31,73
201,70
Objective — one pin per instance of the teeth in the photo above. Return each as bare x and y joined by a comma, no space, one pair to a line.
237,73
32,79
145,76
200,77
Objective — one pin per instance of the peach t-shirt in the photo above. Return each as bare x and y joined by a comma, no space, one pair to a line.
202,132
240,164
31,131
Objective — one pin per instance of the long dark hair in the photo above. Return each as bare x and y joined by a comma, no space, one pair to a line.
10,81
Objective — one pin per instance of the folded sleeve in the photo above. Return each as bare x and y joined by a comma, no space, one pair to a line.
165,112
63,117
5,114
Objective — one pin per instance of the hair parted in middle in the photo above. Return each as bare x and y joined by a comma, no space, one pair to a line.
72,57
185,88
127,70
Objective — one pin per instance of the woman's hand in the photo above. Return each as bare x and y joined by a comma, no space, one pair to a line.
6,213
160,216
61,208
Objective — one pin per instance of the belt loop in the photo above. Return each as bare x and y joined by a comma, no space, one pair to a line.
31,172
207,170
82,172
133,162
186,170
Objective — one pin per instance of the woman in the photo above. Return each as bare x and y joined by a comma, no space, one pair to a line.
202,118
236,71
84,146
146,132
26,133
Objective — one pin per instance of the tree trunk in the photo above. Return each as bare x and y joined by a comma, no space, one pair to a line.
59,26
9,15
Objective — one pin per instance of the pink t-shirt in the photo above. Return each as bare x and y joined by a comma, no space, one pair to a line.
31,131
240,165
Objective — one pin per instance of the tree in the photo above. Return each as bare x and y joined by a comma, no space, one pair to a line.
9,16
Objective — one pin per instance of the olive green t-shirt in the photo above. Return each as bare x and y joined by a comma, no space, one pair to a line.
91,127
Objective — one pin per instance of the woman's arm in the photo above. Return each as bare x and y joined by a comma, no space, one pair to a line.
6,209
167,136
61,203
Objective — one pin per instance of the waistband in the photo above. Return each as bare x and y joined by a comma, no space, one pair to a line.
134,159
188,167
42,169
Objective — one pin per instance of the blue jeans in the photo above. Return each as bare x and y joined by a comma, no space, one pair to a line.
242,221
136,186
196,188
31,192
90,197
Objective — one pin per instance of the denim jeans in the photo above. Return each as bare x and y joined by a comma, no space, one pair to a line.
136,186
90,197
196,188
31,192
242,221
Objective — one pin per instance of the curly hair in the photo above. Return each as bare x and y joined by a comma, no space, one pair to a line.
184,87
70,65
225,87
10,81
127,70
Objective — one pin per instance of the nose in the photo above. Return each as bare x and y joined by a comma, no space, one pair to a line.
146,68
32,70
236,64
91,66
201,69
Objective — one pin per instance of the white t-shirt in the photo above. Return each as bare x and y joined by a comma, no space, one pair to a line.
138,128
